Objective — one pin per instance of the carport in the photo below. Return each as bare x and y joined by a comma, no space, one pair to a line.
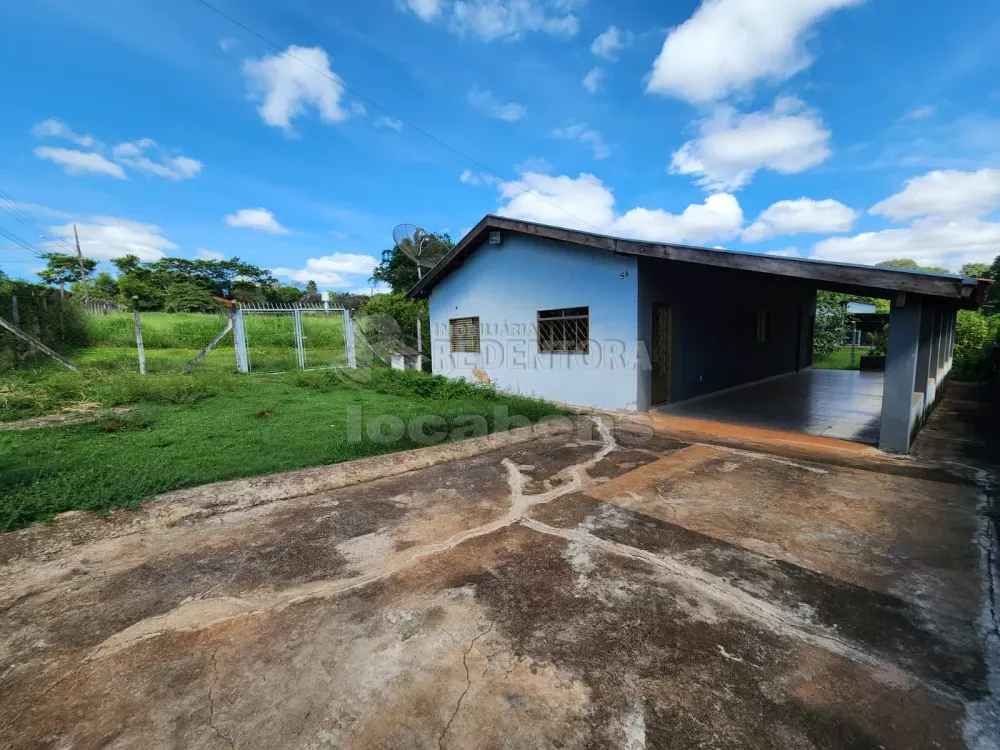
842,404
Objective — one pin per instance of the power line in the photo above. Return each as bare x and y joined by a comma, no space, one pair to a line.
379,107
17,241
9,205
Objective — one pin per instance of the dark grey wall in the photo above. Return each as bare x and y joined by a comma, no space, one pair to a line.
714,325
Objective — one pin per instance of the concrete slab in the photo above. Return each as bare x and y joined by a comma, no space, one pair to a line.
588,588
841,404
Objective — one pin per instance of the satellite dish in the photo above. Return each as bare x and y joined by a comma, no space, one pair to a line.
412,240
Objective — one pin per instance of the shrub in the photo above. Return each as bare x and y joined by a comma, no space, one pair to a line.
975,345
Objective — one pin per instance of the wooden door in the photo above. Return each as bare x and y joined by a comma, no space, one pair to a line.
660,392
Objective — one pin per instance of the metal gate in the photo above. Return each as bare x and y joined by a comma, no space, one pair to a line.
272,338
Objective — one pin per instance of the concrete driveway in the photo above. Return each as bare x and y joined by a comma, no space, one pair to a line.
585,588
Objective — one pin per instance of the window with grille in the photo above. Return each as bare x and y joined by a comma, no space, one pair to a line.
763,326
464,334
564,331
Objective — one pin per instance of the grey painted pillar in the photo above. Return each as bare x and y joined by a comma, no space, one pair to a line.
952,321
900,376
924,351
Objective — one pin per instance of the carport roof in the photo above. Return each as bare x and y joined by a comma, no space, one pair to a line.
870,280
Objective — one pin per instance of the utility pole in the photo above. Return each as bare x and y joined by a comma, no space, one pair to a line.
83,273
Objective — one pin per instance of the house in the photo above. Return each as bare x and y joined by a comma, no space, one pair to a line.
590,320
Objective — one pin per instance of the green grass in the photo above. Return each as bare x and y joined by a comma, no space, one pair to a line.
212,425
841,359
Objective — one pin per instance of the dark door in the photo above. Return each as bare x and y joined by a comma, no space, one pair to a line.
660,392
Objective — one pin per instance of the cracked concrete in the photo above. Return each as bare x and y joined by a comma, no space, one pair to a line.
577,588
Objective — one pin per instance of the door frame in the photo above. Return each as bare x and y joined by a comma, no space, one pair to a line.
667,371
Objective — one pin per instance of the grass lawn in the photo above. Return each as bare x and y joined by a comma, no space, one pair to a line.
841,359
187,430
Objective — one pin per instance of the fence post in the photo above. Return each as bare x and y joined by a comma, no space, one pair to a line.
15,316
240,342
300,347
420,345
138,336
349,339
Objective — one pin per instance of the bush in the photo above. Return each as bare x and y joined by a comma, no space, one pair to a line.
976,343
831,324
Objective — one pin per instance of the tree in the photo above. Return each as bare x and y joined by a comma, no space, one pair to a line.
311,296
288,294
65,269
831,326
910,265
184,296
976,270
404,312
104,286
399,271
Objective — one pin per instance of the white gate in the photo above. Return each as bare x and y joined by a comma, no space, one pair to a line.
273,338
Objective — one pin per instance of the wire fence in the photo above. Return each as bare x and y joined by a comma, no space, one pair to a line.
54,320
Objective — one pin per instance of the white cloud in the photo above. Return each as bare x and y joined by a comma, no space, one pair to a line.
80,162
389,122
788,252
727,45
468,177
591,206
607,44
512,19
922,113
358,109
369,291
134,154
330,270
258,219
483,101
944,193
592,81
929,241
227,43
53,128
587,136
802,216
426,10
732,146
107,237
203,254
288,82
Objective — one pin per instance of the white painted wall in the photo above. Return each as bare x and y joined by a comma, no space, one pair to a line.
506,285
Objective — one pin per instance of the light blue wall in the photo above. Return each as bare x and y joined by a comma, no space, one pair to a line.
506,285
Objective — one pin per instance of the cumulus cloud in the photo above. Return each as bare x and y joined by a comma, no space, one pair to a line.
948,243
330,270
731,147
389,122
483,101
589,205
80,162
802,216
203,254
468,177
592,81
426,10
136,155
53,128
587,136
288,82
728,45
944,193
505,20
258,219
608,43
107,237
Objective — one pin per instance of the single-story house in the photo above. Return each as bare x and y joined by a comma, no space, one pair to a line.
590,320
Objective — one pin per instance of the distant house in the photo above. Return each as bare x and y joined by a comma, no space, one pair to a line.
591,320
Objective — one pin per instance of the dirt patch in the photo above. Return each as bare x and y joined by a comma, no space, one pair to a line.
61,420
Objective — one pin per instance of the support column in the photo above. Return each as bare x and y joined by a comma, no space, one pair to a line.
898,412
923,381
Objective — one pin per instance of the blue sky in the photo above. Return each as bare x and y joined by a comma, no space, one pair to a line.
841,129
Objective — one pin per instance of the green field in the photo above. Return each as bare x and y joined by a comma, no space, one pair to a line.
841,359
215,423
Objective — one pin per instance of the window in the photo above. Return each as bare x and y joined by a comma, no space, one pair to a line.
564,331
464,334
763,326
